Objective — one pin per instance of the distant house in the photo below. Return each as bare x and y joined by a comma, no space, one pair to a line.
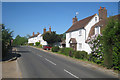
79,32
38,37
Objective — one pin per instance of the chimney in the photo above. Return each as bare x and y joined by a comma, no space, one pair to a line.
44,30
50,28
102,13
33,34
75,20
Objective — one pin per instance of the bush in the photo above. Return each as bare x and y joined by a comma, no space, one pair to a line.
81,55
40,46
77,54
37,43
62,50
31,44
84,55
67,51
55,49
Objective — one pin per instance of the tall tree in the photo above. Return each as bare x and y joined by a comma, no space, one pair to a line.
111,43
6,39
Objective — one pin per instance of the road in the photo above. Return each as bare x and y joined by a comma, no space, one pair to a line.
35,63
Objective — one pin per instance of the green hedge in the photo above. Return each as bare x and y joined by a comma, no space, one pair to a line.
81,55
55,49
31,44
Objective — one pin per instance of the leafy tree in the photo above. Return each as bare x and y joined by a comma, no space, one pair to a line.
6,39
51,37
19,40
111,44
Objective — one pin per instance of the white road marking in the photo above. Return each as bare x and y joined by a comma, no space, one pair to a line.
50,61
70,73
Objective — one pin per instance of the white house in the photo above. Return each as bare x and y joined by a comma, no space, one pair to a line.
38,37
79,32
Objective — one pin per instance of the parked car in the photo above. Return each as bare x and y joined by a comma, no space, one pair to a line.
47,47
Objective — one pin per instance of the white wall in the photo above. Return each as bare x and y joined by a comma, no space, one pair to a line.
39,38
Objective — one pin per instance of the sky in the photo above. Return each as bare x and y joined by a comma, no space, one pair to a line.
28,17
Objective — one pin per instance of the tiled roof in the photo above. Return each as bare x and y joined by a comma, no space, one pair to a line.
63,42
34,35
102,24
80,24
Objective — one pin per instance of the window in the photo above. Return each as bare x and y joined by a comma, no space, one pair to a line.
97,30
80,32
80,45
95,18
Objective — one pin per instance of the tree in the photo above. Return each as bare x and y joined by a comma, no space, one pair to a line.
6,39
111,44
19,40
51,37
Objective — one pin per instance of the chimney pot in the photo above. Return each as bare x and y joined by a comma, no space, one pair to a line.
44,30
33,34
50,28
75,19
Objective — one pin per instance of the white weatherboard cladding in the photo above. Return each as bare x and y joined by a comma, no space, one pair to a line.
81,45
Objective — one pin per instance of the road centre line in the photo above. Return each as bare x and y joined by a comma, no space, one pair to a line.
50,61
70,73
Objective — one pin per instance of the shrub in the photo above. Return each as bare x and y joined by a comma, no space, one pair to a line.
40,46
62,50
81,55
95,43
71,52
31,44
84,55
37,43
77,54
67,51
55,49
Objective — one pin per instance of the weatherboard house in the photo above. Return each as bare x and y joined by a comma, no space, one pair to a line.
38,37
81,30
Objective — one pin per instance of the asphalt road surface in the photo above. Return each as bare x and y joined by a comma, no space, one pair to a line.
35,63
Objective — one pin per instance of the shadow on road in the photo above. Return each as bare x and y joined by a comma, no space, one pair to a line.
11,55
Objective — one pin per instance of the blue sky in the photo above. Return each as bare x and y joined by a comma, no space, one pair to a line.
28,17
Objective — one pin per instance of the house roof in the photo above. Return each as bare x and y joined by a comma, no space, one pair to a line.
34,35
73,40
102,24
80,24
63,42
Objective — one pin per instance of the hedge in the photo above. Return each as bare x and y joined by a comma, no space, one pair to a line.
55,49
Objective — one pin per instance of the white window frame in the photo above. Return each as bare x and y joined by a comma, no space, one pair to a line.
80,32
95,19
80,45
97,30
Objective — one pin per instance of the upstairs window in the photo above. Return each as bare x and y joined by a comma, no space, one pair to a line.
95,19
97,30
80,32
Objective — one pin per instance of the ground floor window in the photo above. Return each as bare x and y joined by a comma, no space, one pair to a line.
80,45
